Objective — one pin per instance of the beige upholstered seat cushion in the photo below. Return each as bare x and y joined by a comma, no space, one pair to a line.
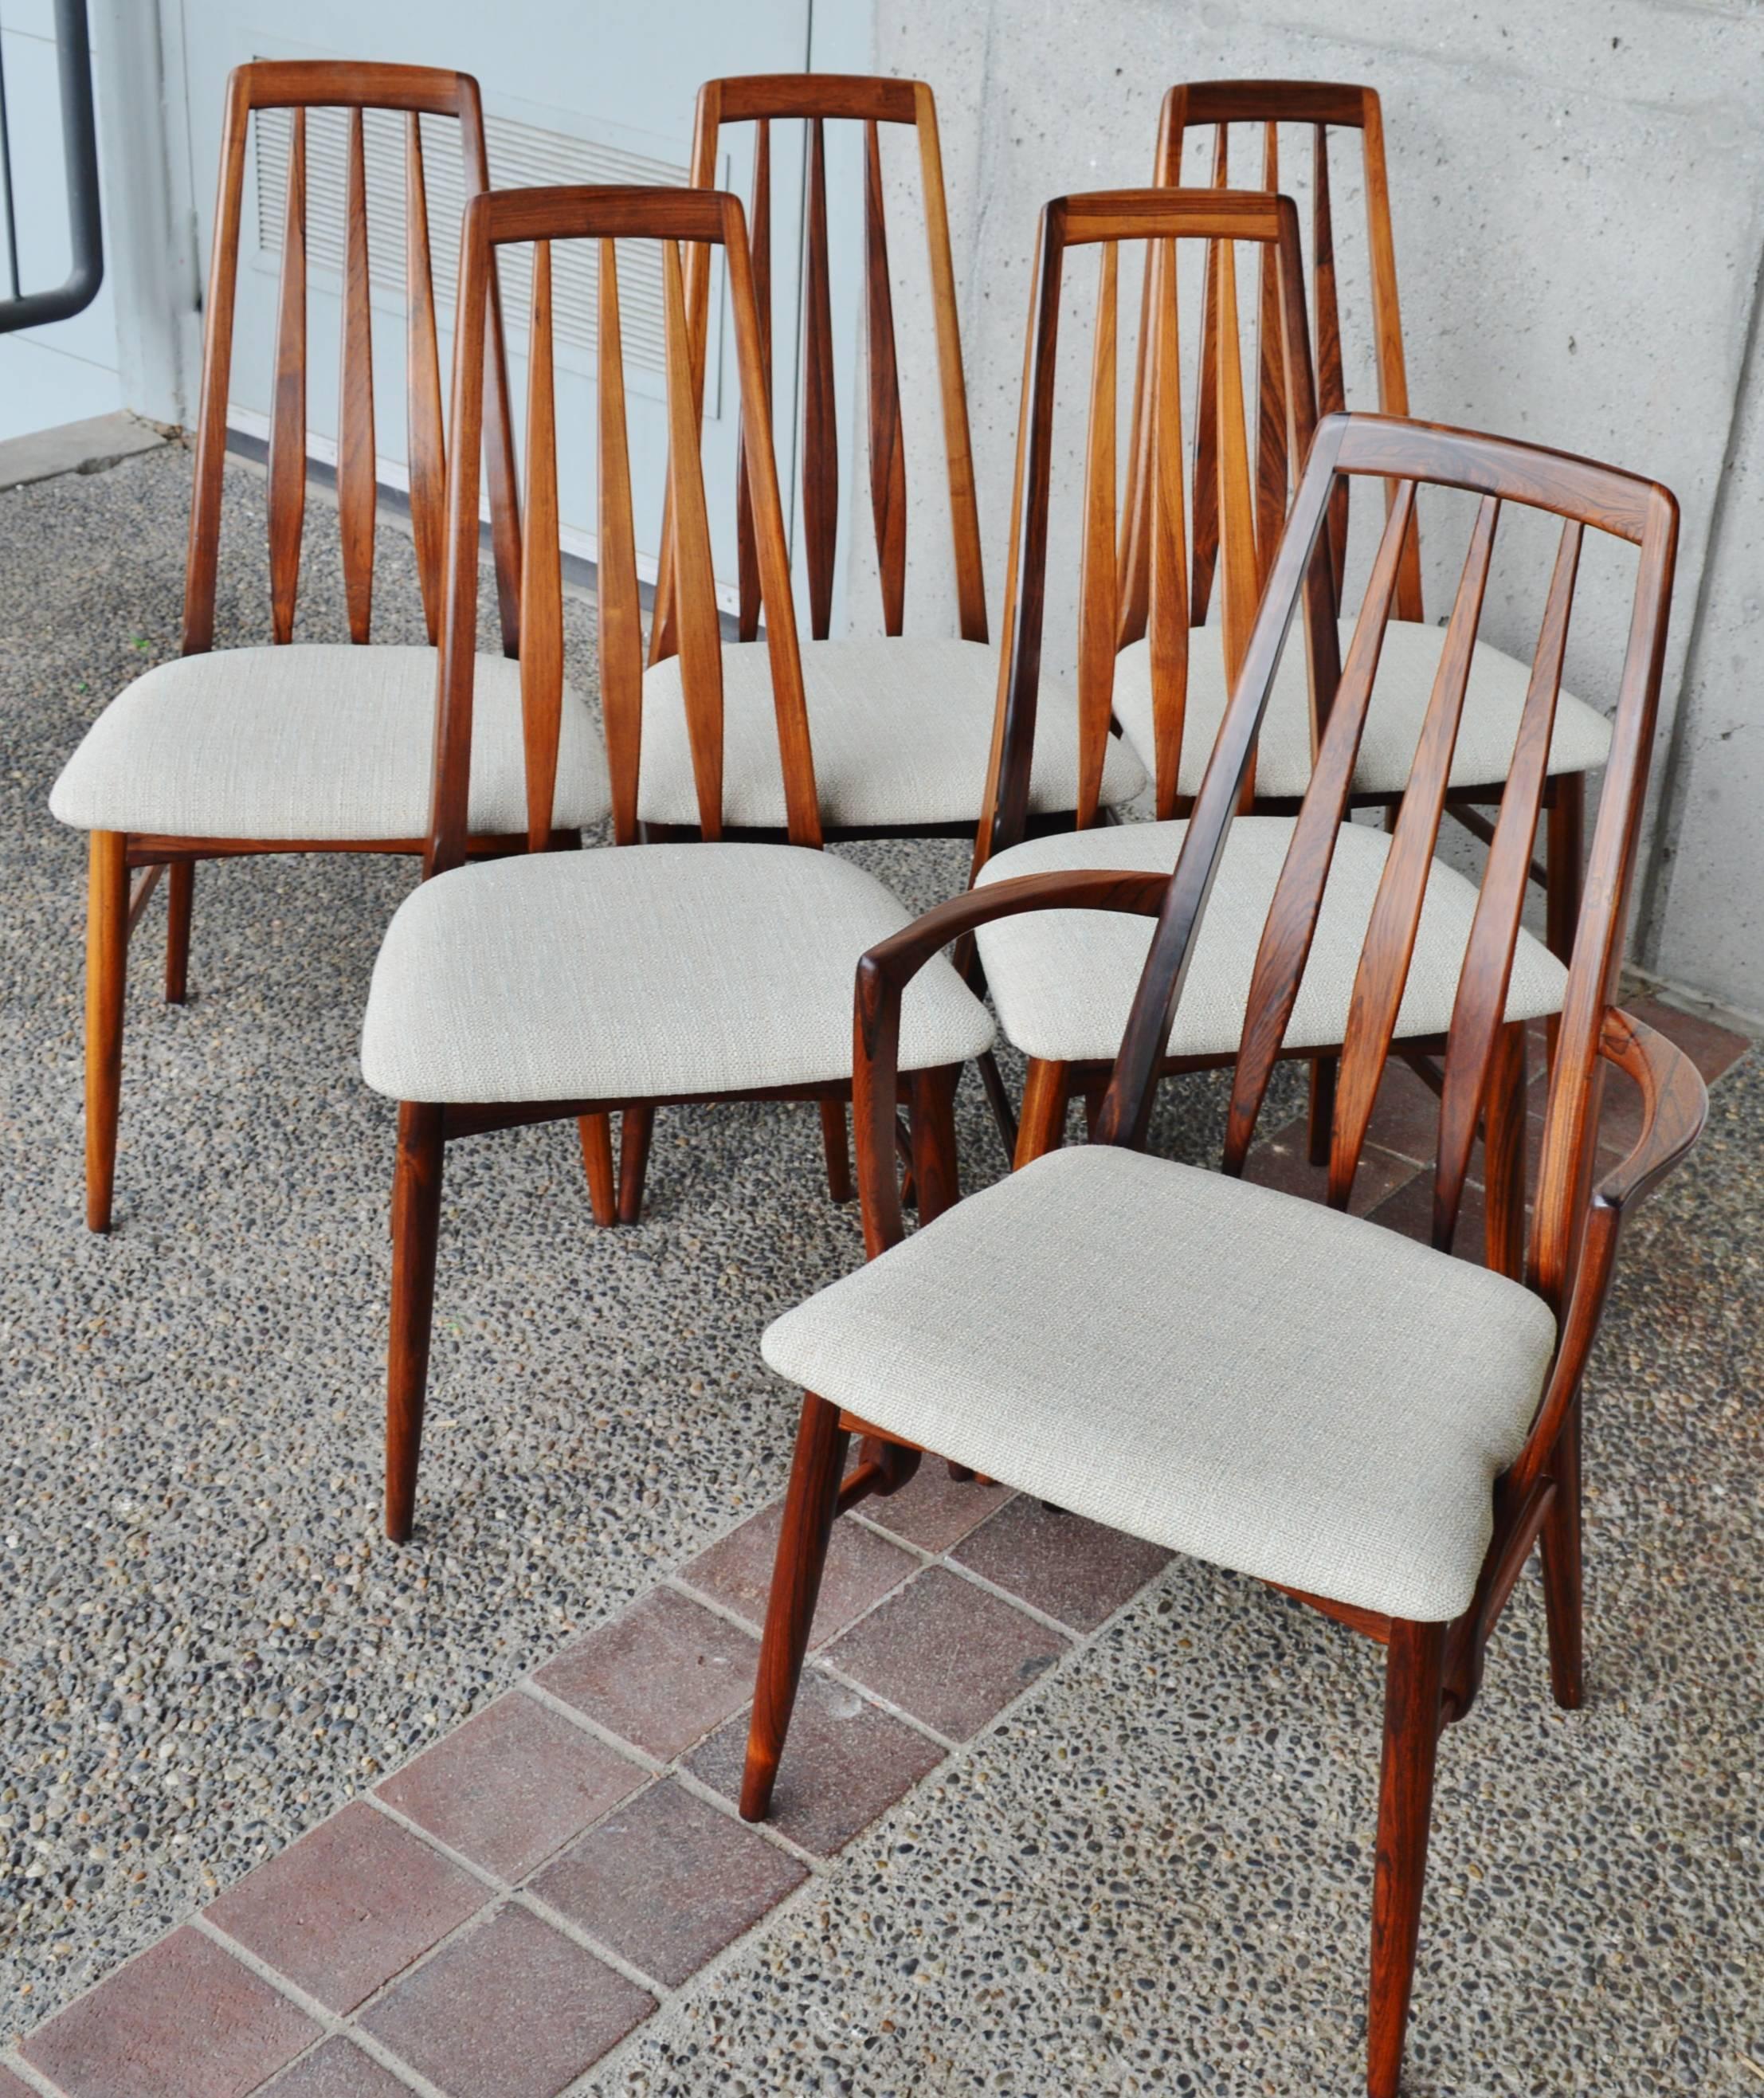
313,741
641,971
1222,1369
901,729
1406,666
1062,980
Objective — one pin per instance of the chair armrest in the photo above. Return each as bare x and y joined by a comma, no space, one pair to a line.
1675,1106
882,975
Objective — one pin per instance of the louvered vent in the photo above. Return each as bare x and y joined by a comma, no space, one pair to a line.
520,155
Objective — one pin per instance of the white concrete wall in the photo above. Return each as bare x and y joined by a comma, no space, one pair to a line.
1577,190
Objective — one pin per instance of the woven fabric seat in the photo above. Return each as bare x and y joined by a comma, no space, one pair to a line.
643,970
1062,980
315,741
901,730
1230,1372
1405,667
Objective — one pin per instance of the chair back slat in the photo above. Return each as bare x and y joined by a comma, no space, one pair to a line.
1206,465
1332,383
426,443
1097,606
820,419
1235,505
1167,601
700,636
1273,467
1479,1007
607,215
542,572
818,100
1389,947
620,627
888,451
296,86
357,480
747,554
286,489
1292,915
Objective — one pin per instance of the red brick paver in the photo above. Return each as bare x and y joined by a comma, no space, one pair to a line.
861,1568
1078,1571
662,1675
337,2070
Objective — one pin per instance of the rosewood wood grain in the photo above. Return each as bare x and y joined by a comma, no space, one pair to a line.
747,554
357,478
416,1232
887,455
542,572
180,901
1097,612
621,635
286,490
106,970
820,421
596,1133
1041,1124
425,439
1414,1664
836,1151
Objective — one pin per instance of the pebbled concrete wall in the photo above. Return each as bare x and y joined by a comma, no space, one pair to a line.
1577,189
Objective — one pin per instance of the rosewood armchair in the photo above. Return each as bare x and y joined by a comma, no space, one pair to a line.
1379,1429
307,747
560,984
1581,735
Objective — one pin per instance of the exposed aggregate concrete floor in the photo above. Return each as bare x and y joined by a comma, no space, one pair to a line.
1152,1876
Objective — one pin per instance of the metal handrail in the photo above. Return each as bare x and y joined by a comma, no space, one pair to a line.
79,145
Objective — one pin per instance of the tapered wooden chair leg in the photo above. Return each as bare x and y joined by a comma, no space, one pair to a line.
837,1151
1504,1149
416,1210
934,1161
1322,1111
1413,1664
597,1161
809,1509
1041,1124
1562,1591
106,970
635,1127
180,896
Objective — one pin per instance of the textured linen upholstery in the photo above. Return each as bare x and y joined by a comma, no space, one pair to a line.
641,971
1062,980
315,741
1232,1372
1484,752
901,731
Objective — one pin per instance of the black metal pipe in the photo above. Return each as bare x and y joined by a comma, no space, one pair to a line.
79,146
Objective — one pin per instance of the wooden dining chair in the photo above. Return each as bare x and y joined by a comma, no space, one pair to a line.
557,985
902,722
306,748
1411,657
1372,1426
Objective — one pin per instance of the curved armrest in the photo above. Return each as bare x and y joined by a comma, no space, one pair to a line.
882,975
1674,1107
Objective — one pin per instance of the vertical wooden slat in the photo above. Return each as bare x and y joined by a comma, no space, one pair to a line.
497,409
287,422
1291,919
747,562
700,638
1132,556
1331,392
1479,1009
1097,581
203,556
427,449
1271,461
820,427
542,579
620,636
355,397
1386,325
888,455
1168,610
1206,519
1389,946
1240,582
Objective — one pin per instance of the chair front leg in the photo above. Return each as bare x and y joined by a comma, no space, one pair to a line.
180,897
635,1127
1561,1544
836,1151
596,1131
106,970
1414,1664
416,1229
808,1510
1041,1125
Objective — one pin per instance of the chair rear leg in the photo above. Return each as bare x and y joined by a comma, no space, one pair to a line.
597,1161
635,1127
106,970
416,1230
1040,1126
1413,1666
808,1510
1322,1111
1562,1591
180,896
838,1153
1504,1155
935,1173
